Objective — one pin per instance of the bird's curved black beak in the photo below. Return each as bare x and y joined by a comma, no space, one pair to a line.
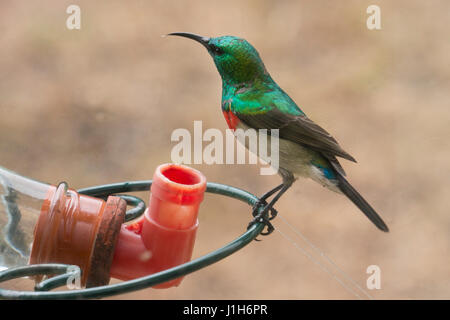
203,40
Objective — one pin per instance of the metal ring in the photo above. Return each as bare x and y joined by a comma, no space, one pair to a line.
106,190
138,206
143,282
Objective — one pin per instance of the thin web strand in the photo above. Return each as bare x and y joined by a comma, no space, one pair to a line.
327,264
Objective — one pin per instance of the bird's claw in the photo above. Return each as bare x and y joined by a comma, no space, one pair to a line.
261,219
272,213
263,215
256,207
263,203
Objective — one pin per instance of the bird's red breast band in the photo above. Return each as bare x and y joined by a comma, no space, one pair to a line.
231,119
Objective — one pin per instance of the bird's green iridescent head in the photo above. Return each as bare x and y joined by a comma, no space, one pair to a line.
236,60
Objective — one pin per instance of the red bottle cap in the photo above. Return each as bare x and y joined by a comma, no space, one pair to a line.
79,230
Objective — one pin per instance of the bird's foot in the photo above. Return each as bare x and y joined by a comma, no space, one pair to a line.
261,219
271,211
262,213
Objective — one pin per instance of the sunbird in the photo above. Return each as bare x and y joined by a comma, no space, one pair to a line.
252,99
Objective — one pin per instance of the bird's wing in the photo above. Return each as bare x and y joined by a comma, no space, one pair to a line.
296,128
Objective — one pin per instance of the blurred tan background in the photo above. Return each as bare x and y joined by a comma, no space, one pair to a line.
98,106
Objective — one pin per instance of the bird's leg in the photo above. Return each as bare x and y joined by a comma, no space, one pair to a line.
271,192
262,201
261,216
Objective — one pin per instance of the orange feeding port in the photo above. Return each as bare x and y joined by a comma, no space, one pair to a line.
164,236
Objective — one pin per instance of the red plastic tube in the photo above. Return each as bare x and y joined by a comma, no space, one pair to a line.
164,237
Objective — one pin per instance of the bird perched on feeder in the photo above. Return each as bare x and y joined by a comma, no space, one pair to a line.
252,99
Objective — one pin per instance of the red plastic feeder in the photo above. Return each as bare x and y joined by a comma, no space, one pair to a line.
164,236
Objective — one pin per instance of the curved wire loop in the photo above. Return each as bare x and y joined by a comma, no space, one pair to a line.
65,272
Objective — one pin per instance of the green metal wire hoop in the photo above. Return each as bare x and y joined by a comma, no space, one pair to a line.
65,271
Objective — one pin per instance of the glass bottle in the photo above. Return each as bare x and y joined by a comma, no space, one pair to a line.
21,200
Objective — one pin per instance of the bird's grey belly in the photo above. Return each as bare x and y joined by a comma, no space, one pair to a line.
292,157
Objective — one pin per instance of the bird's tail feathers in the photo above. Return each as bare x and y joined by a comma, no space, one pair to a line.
359,201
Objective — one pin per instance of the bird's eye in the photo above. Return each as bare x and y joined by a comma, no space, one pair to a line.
216,50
